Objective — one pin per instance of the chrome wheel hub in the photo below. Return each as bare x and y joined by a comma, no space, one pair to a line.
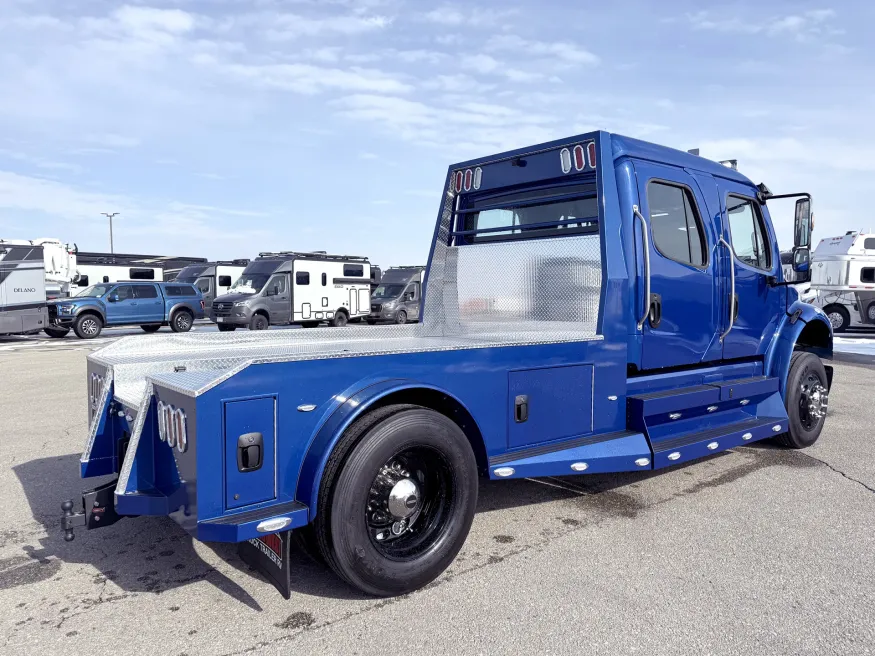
818,399
394,502
835,319
403,499
89,327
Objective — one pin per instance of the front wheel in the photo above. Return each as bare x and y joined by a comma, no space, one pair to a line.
806,400
56,333
87,326
259,322
398,499
401,317
839,317
182,322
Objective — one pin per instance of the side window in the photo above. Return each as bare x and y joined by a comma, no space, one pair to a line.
353,271
83,281
203,285
145,291
141,274
124,292
867,275
172,291
869,243
675,224
302,278
324,279
748,232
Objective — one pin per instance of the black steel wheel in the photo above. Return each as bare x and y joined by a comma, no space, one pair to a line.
397,500
182,321
87,326
806,400
259,322
56,333
839,317
150,329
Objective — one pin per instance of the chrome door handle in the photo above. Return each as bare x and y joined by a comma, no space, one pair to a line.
732,293
646,242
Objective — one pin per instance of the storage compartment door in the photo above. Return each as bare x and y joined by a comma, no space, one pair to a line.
549,404
250,451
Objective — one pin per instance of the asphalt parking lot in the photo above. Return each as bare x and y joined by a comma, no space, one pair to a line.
757,551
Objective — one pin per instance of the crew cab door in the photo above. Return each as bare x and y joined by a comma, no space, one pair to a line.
121,306
747,227
150,303
682,326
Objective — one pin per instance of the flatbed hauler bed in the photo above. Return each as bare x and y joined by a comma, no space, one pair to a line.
595,304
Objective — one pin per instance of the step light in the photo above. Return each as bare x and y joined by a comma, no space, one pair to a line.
713,445
642,462
504,472
747,436
579,466
674,456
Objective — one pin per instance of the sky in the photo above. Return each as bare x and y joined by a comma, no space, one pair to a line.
222,128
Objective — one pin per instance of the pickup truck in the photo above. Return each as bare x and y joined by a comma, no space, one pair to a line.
594,304
149,305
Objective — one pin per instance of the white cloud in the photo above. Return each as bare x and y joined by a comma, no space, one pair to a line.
555,50
309,79
140,19
461,16
802,26
291,26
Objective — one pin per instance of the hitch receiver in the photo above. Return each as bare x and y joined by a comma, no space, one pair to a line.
96,509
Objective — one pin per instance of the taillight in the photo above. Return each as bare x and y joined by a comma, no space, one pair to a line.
590,149
579,161
578,158
460,178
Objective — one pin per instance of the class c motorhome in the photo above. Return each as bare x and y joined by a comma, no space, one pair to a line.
396,299
213,279
296,288
843,278
23,306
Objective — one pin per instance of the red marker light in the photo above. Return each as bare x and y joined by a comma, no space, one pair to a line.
590,152
459,179
579,162
468,176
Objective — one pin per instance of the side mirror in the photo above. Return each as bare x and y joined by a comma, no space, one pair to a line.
113,298
802,264
803,225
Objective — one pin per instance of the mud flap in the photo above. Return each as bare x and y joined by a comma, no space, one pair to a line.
269,555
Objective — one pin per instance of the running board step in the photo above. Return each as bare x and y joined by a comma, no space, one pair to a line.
691,446
249,524
609,452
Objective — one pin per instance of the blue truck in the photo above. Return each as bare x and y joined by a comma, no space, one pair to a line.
594,304
148,305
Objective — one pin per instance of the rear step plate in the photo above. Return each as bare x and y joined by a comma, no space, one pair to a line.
745,388
699,444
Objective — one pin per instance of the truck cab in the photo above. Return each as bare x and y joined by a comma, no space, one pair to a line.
397,298
591,305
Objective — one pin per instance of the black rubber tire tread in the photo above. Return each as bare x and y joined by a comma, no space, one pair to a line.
343,322
226,328
255,318
401,318
372,322
150,329
176,316
845,315
360,564
797,437
56,333
322,524
77,329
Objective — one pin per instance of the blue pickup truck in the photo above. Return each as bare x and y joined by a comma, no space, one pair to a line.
148,305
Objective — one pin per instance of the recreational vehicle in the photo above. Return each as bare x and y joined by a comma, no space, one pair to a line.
396,299
22,288
843,277
213,279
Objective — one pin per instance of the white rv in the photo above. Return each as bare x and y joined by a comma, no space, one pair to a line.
213,278
843,277
22,288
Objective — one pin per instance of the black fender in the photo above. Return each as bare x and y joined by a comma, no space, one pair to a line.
803,327
184,305
354,405
91,308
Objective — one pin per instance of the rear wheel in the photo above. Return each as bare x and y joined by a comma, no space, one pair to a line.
870,312
838,316
55,332
807,398
340,319
259,322
182,321
87,326
150,329
372,322
226,328
397,500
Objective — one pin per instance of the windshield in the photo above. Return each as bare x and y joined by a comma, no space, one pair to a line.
190,273
388,291
249,283
95,291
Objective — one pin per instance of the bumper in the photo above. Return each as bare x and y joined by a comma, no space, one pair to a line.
382,315
231,319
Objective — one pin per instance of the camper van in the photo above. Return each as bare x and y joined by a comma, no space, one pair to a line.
213,279
22,288
843,277
296,288
396,299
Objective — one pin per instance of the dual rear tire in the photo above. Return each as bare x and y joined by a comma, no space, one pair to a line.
397,501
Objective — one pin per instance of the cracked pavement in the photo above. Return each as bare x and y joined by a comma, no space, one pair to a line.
757,551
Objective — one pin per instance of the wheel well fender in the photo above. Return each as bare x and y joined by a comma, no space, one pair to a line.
803,328
91,309
342,310
366,399
261,312
178,308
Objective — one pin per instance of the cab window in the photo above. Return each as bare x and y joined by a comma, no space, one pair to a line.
675,224
145,291
124,292
276,285
748,232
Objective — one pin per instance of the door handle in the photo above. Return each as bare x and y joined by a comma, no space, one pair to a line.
521,408
733,298
250,452
646,243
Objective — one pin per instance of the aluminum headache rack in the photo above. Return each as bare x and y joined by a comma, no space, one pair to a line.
484,295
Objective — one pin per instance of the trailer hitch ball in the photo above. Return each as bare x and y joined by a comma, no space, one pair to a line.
67,509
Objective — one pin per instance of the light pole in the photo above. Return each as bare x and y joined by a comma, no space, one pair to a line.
109,216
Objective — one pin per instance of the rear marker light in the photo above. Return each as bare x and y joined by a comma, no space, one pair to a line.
478,177
590,151
565,160
469,175
276,524
579,162
459,180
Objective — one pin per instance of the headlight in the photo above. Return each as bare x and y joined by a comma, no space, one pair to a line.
66,309
240,304
390,305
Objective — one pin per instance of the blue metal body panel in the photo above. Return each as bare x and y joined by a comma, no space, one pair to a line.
632,400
